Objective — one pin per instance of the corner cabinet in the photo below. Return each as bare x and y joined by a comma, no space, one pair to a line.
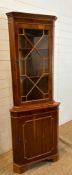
34,116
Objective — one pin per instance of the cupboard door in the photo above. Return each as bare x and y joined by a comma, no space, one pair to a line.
38,135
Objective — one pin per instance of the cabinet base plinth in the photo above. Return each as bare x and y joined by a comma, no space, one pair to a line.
22,168
18,168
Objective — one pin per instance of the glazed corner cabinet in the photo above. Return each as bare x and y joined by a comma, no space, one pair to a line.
34,115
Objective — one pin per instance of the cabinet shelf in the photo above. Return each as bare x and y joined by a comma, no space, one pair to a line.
31,48
44,58
35,76
32,33
25,49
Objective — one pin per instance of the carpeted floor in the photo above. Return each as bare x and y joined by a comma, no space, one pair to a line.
61,167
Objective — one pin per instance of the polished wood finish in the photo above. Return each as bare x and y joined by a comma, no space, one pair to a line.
34,122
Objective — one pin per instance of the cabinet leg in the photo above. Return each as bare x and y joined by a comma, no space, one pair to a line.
53,159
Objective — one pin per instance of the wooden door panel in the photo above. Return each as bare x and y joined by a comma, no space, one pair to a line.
38,136
32,136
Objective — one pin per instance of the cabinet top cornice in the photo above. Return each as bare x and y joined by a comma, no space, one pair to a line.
32,16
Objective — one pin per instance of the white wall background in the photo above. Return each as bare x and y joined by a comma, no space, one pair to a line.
63,59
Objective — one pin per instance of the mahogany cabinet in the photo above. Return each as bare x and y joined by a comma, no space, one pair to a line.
34,115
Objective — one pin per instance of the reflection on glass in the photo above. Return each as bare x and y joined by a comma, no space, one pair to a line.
33,64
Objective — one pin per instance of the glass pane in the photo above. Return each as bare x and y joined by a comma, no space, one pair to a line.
33,35
43,53
33,64
43,44
35,94
26,86
23,43
43,84
22,67
34,78
45,65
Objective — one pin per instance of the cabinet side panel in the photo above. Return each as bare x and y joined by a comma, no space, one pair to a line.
13,38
